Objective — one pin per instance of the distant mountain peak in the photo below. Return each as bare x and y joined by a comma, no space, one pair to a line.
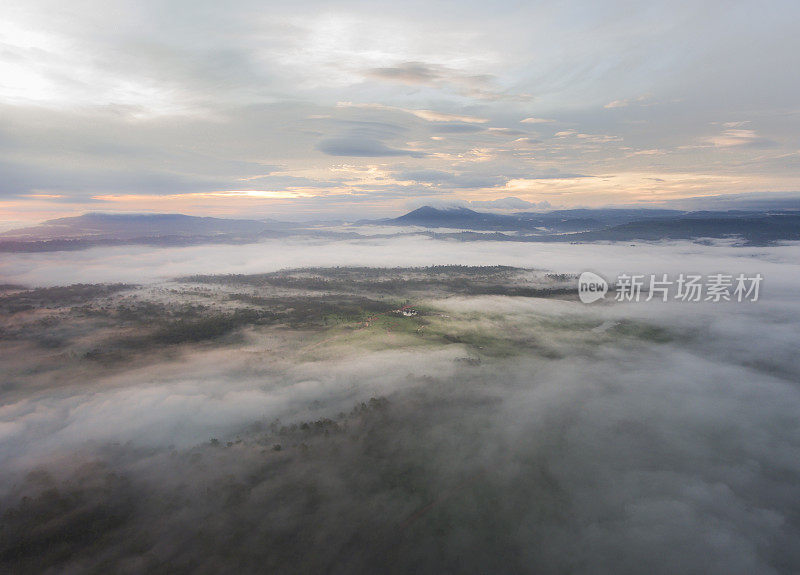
430,216
99,225
426,210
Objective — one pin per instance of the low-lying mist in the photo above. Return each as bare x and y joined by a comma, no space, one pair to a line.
145,264
486,433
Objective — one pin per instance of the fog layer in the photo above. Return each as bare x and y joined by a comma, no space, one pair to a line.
486,433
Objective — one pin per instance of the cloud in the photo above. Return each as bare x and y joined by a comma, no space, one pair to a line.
507,132
144,264
432,74
362,147
409,73
555,175
735,137
451,180
527,141
510,203
456,128
738,124
641,100
536,121
433,116
479,86
750,201
75,184
590,138
431,176
427,115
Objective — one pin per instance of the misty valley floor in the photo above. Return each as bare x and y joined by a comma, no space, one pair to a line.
446,419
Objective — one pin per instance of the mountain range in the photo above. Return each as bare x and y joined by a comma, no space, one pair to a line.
577,225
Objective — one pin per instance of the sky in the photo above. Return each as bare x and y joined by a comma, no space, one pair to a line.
319,110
